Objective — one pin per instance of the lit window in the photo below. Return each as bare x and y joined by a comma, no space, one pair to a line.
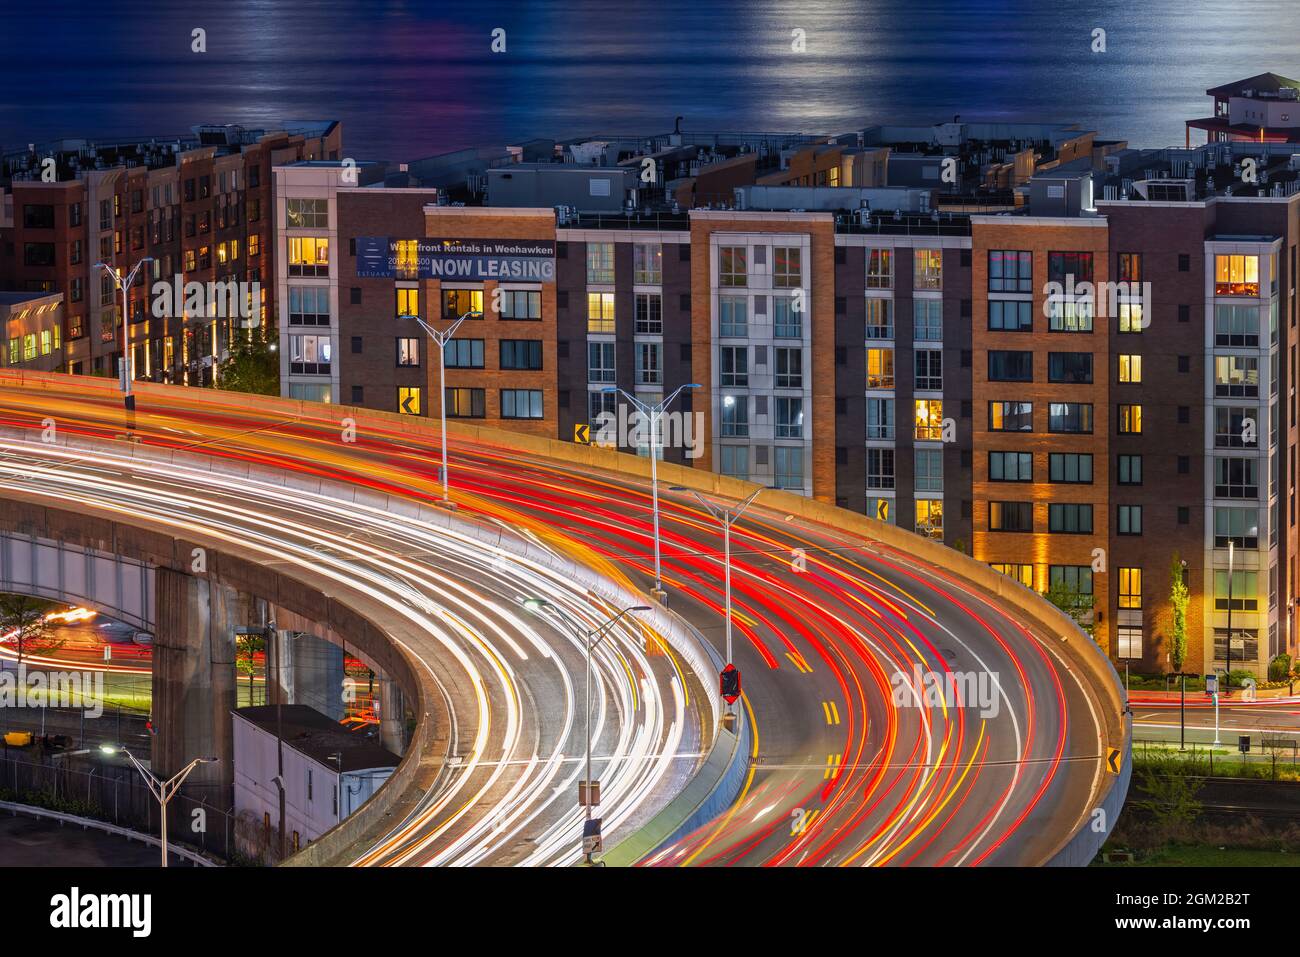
1236,275
929,419
1130,368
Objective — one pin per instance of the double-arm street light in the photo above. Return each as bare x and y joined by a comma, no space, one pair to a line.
163,791
124,281
442,337
728,517
590,638
652,414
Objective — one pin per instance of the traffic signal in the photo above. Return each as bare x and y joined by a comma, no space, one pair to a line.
729,684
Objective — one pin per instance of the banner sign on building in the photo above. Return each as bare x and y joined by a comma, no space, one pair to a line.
467,260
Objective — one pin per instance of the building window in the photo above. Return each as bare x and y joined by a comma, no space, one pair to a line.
307,213
1240,526
1069,518
734,461
600,312
880,319
649,363
1011,416
929,370
929,420
1070,468
649,313
1011,516
1130,420
788,467
1130,317
1007,366
1010,271
408,351
1069,417
880,419
733,316
1011,467
787,267
789,368
1010,316
735,416
1236,477
1077,578
1230,430
600,264
927,269
521,304
462,403
308,256
1236,377
929,518
309,306
1021,573
1236,326
521,354
1069,315
1129,267
462,302
1068,268
1129,470
408,400
927,320
601,404
1129,518
1245,645
521,403
735,366
789,417
880,468
787,322
647,264
880,368
1130,369
600,362
1069,367
1245,587
880,269
928,474
309,355
408,302
1236,275
463,354
733,266
1130,587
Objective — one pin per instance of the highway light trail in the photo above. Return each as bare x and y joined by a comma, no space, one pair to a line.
885,783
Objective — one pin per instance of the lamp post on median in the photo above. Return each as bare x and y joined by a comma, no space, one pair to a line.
728,517
163,791
442,337
652,414
124,283
586,635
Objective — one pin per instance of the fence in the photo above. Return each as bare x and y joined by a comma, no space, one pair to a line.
114,794
1265,752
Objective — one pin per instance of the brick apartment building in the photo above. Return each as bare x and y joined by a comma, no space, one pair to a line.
200,206
887,346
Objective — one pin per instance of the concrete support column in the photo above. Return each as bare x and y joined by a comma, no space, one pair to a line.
318,675
391,724
194,680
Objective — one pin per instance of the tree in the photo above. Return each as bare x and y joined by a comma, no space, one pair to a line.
249,646
1178,598
1073,602
252,367
24,626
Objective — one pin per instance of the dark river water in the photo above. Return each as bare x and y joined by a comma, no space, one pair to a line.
413,79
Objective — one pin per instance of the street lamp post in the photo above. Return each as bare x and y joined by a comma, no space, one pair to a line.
442,337
163,791
1227,671
652,414
728,517
124,283
585,635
